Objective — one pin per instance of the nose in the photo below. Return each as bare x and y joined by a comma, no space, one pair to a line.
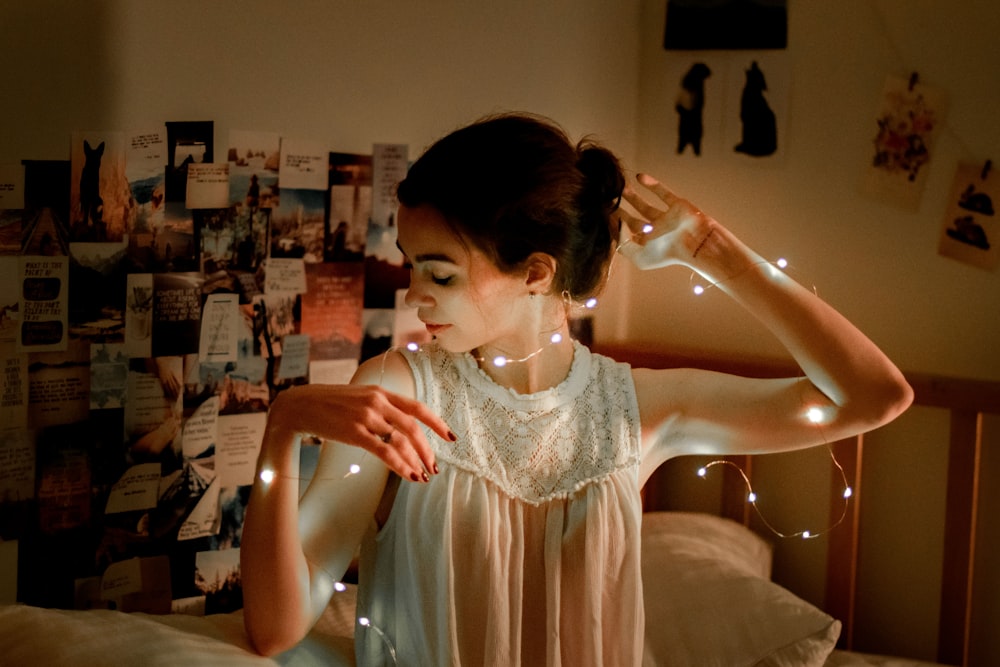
416,297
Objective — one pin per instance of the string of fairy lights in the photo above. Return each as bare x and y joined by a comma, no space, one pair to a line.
813,415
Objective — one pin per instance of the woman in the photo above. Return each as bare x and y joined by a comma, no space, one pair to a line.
492,478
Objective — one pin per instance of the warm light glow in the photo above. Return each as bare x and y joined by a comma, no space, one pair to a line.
591,303
699,290
751,497
355,468
267,475
412,347
556,338
806,534
702,472
339,586
848,492
500,361
814,415
782,263
647,228
363,620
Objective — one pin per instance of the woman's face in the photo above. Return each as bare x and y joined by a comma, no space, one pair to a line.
460,295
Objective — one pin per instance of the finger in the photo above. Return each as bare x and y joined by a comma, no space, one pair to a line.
420,411
659,189
635,225
643,207
400,460
409,436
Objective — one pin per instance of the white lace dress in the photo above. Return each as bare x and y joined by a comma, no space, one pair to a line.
524,550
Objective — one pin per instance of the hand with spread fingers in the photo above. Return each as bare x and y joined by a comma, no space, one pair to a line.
658,236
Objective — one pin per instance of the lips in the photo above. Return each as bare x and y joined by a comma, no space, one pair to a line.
435,329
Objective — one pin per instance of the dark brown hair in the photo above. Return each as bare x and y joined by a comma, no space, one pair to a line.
515,184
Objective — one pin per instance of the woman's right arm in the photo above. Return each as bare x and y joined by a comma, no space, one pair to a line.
292,551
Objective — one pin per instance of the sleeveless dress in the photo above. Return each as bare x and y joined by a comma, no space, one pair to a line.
525,549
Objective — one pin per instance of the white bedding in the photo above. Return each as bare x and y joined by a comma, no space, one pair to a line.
709,602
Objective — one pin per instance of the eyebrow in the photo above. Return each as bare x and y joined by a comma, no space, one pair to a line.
429,257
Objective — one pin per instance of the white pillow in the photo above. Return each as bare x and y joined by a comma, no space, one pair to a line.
709,602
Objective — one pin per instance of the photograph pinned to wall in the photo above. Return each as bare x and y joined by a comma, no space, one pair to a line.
101,203
971,225
10,300
349,208
217,576
58,386
145,168
304,165
164,242
153,412
907,121
331,310
139,315
693,104
254,163
96,303
187,142
17,481
207,185
710,24
176,313
384,271
44,283
108,376
13,389
46,207
298,227
757,106
11,208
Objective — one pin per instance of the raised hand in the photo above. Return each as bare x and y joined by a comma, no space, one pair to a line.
662,235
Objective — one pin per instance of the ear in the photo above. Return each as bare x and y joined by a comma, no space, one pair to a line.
540,272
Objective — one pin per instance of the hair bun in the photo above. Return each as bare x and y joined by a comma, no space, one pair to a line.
603,178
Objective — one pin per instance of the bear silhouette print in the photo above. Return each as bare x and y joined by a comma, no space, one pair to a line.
689,106
966,230
977,202
760,130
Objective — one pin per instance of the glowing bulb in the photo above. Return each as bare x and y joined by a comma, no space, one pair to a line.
699,290
363,620
267,475
340,586
782,263
806,534
647,228
848,492
702,472
412,347
355,468
500,361
591,303
556,338
751,497
814,415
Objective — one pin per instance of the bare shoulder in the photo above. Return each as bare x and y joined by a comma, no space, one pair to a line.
388,370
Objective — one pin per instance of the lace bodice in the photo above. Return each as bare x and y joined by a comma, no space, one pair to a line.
534,447
524,550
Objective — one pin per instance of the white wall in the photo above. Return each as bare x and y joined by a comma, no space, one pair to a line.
343,73
876,263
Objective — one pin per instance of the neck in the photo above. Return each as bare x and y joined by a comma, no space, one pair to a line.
528,368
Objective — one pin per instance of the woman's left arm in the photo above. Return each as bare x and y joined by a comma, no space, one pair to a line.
849,385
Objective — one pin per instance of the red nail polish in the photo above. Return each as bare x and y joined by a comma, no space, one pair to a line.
414,477
452,436
426,478
436,471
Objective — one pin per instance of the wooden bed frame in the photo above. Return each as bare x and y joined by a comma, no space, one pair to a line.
968,402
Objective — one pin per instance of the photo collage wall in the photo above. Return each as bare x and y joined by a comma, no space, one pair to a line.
157,294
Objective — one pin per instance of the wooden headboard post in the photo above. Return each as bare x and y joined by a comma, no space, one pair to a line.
842,548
